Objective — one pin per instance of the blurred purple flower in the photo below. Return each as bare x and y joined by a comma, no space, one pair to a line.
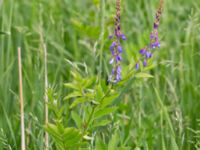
137,66
111,61
118,57
148,54
123,37
120,49
112,46
110,37
145,63
143,51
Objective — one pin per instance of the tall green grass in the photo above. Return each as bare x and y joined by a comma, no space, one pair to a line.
161,113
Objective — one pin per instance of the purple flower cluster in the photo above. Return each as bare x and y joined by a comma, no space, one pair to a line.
116,48
146,52
116,51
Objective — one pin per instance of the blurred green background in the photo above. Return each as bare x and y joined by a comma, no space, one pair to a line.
77,31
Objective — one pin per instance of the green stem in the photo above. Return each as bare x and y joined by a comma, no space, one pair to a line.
102,37
94,107
92,113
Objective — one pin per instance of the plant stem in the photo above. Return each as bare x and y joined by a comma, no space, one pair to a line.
92,113
93,109
102,36
23,147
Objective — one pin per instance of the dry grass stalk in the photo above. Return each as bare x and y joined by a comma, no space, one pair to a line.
23,147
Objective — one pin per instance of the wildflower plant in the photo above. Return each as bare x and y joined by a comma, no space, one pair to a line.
147,51
91,102
116,48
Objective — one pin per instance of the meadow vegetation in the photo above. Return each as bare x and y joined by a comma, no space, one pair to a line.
157,109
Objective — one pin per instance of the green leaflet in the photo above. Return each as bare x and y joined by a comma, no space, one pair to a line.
72,86
105,111
64,138
71,136
72,95
143,75
78,101
53,130
108,100
112,145
101,123
76,118
100,145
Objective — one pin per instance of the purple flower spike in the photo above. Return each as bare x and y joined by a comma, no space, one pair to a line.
137,66
143,51
116,48
148,54
119,49
145,63
123,37
154,40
